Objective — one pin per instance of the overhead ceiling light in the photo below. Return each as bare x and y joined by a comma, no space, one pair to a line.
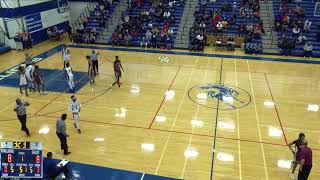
202,96
225,157
135,89
313,107
160,118
98,139
225,125
169,94
148,147
121,112
286,164
274,132
44,130
227,99
196,123
268,103
191,153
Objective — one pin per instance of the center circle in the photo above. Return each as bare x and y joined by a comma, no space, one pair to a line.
221,96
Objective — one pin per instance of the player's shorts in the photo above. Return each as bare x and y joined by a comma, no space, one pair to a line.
70,78
29,78
297,157
118,74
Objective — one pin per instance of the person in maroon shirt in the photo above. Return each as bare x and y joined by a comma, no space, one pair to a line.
117,71
297,143
306,161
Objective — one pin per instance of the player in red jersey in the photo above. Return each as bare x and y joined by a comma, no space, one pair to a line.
296,152
117,70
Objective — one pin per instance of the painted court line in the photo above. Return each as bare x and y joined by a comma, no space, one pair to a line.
216,124
142,177
164,97
258,123
175,119
303,61
238,124
193,126
276,109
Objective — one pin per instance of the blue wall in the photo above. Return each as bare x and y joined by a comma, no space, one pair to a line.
37,36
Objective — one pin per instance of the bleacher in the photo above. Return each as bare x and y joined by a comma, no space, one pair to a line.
4,48
146,5
309,7
94,19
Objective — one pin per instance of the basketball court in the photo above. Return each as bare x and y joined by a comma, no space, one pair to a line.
177,114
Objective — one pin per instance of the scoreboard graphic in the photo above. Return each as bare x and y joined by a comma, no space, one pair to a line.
21,159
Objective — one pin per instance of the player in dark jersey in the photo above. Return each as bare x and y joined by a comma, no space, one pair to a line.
117,67
296,152
37,76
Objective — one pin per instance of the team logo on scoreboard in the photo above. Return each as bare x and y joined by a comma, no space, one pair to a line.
222,96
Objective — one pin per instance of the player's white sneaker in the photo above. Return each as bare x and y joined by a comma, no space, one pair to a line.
44,93
292,176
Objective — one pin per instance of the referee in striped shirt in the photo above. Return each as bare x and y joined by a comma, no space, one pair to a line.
61,131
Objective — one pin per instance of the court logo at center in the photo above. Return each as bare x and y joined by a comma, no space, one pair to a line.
228,96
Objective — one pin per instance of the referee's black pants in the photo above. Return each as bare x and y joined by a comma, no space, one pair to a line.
63,142
23,121
304,174
95,65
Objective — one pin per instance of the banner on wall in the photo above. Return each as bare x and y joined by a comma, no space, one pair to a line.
34,22
45,19
317,9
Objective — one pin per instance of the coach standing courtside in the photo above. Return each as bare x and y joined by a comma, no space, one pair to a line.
21,110
61,131
306,161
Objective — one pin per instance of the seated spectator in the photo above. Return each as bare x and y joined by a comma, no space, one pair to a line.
225,7
148,36
166,14
219,27
144,42
163,39
202,25
299,11
224,23
170,31
51,170
308,50
318,35
295,32
169,42
230,44
127,39
302,39
154,41
80,28
115,39
85,22
92,39
200,42
307,26
241,29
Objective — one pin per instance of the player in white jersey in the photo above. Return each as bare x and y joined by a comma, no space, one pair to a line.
65,56
74,108
29,76
69,77
23,80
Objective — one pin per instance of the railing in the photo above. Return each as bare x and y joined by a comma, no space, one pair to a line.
86,13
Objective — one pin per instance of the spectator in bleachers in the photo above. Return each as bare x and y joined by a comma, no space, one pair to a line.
200,42
148,35
226,7
168,42
295,32
144,42
318,35
230,44
127,39
308,50
302,39
299,11
241,29
307,26
115,39
154,41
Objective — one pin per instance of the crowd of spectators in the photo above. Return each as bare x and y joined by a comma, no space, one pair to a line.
153,27
293,28
85,34
223,20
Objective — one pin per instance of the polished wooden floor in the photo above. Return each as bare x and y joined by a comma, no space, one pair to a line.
151,125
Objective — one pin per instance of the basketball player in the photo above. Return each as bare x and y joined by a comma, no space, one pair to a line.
29,75
69,77
296,152
117,67
23,80
91,72
28,59
74,108
37,76
65,56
